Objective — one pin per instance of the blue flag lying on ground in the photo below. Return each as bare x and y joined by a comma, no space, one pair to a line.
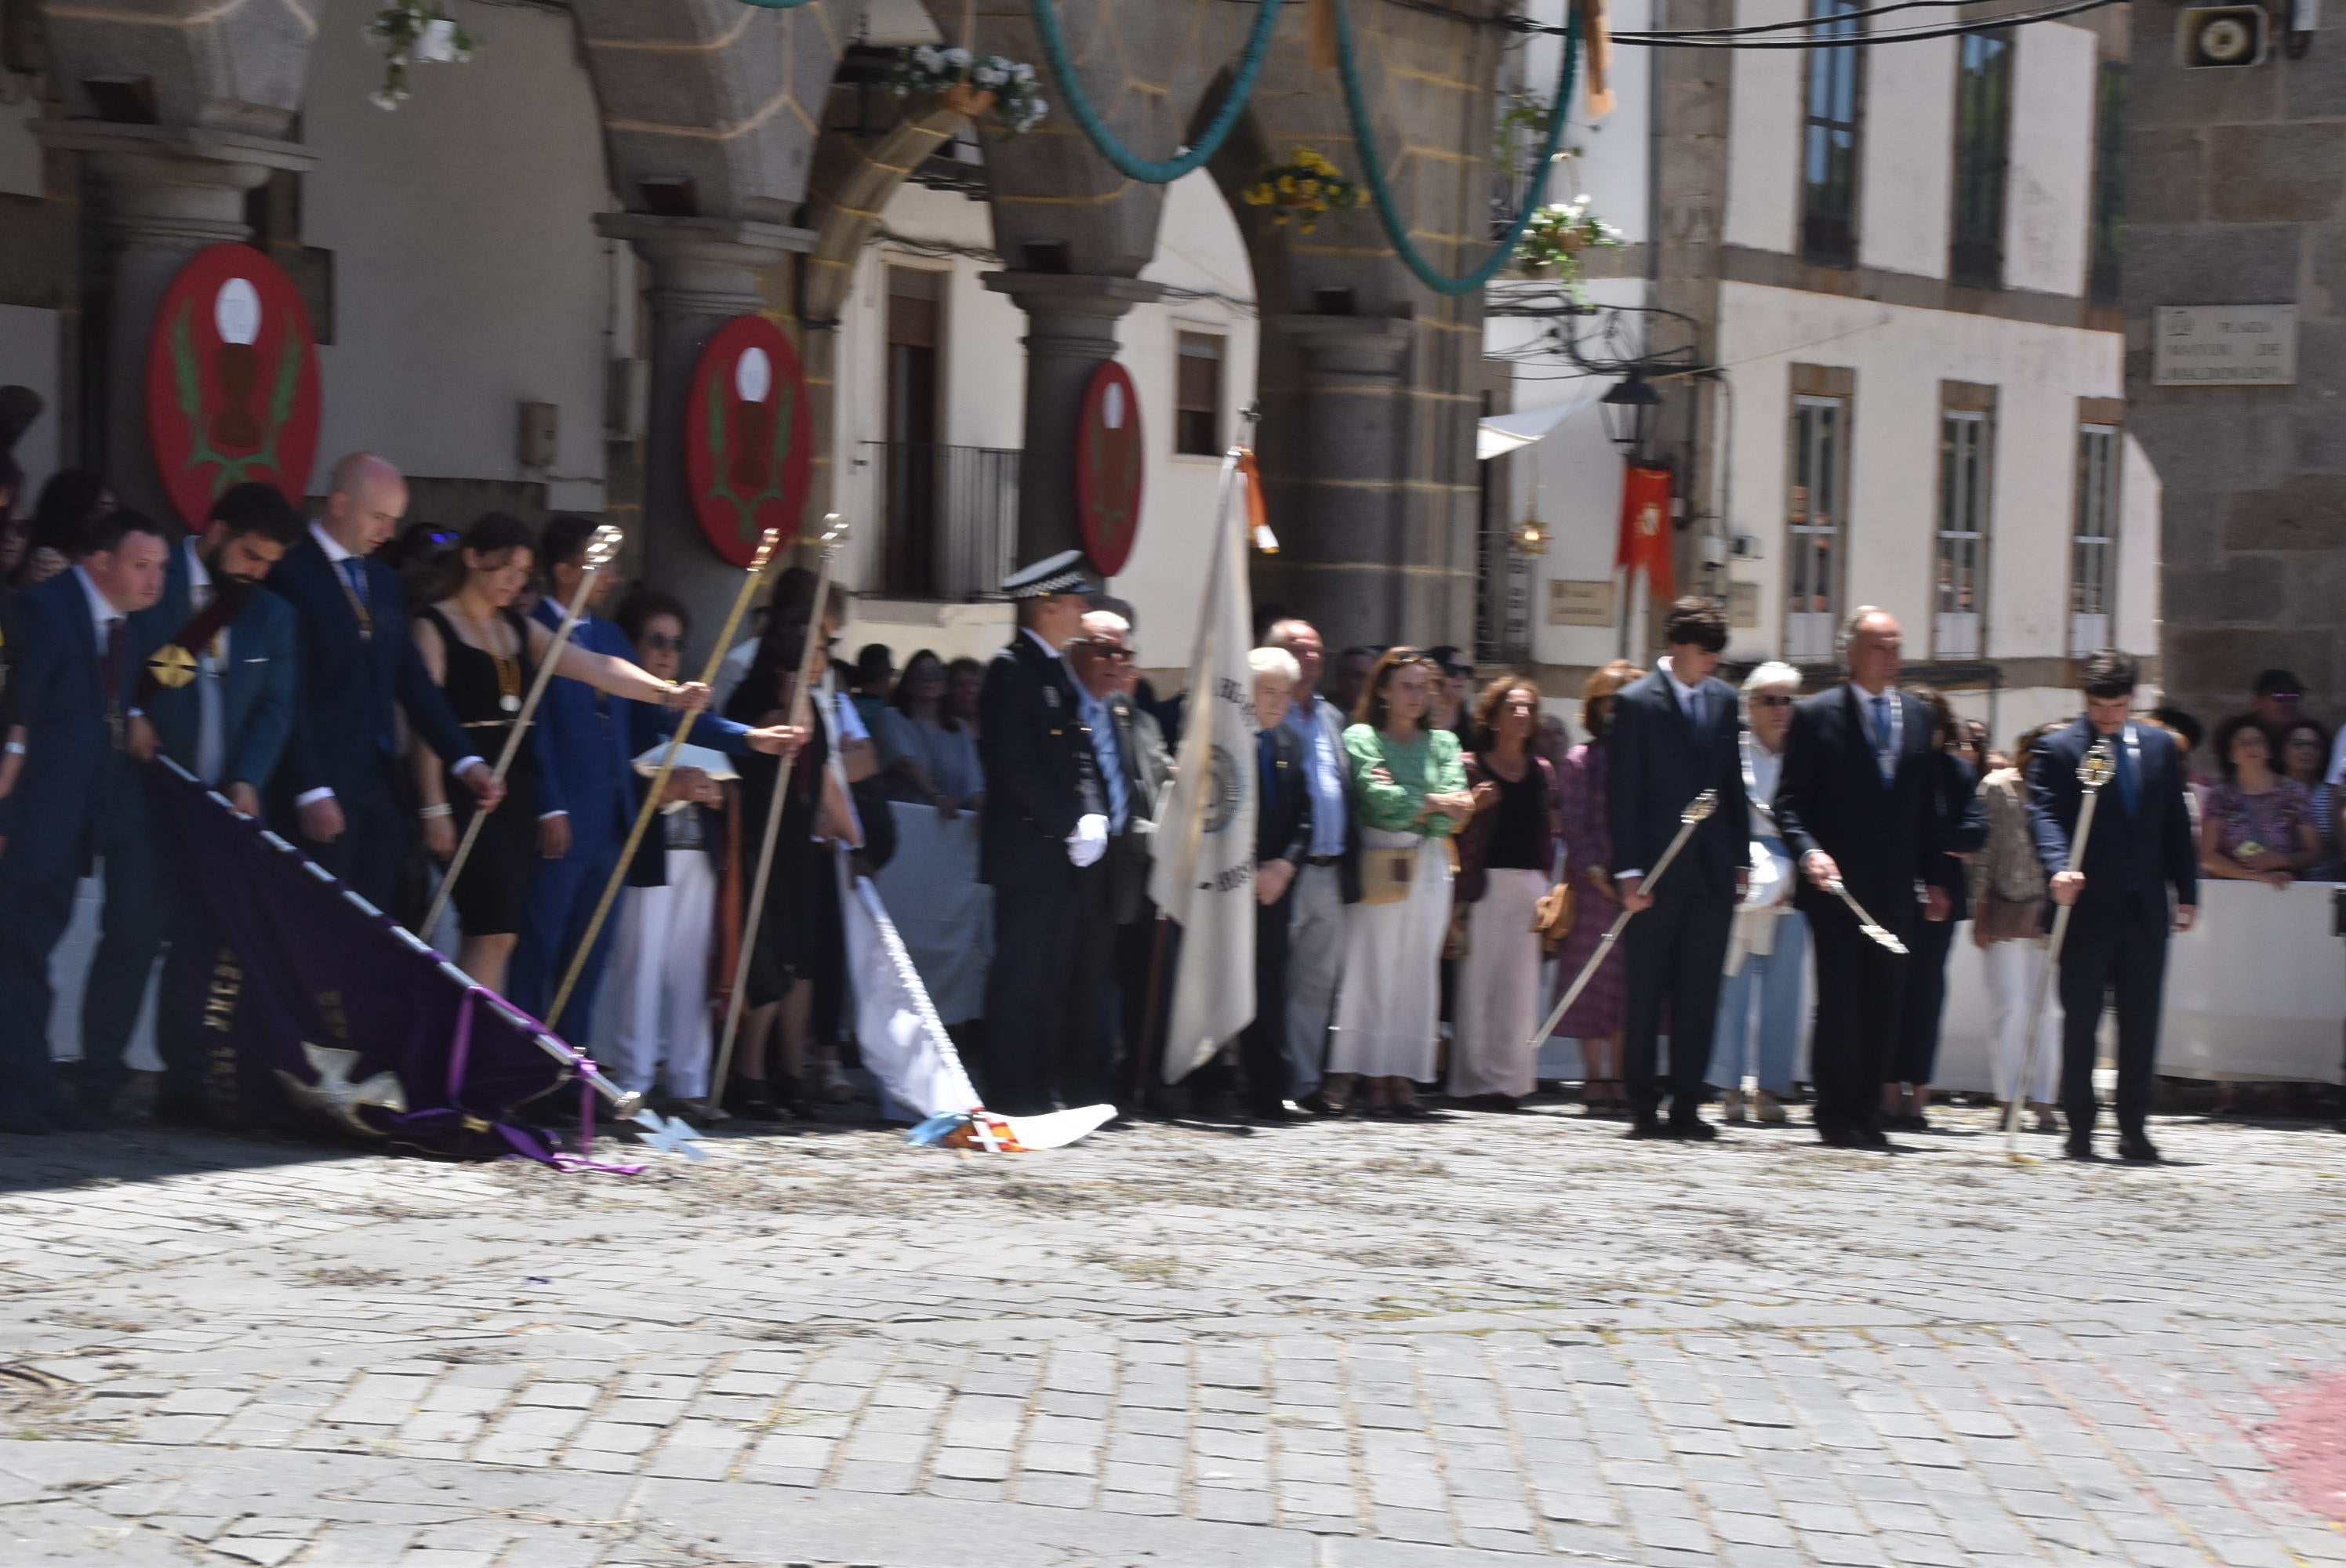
316,1013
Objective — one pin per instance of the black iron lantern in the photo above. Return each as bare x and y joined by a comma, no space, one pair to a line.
1630,409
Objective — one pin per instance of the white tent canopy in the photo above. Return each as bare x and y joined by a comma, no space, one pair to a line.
1504,433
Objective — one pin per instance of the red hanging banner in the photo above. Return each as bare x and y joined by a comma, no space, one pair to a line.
748,443
231,380
1645,543
1108,469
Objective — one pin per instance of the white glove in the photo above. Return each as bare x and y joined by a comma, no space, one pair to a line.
1089,842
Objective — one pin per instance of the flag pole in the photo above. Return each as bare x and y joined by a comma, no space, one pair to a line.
801,704
768,543
602,549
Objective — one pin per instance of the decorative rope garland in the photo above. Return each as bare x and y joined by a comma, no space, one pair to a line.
1149,171
1374,174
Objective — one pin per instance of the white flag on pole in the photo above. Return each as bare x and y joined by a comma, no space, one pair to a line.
1203,875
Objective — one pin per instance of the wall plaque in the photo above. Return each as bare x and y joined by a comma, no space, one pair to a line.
1743,606
1571,604
2224,346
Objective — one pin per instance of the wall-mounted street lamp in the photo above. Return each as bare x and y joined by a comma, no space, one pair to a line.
1630,409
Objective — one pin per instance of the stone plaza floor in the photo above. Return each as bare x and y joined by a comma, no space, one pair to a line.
1353,1345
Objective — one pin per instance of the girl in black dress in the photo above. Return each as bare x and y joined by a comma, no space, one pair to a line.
484,655
789,949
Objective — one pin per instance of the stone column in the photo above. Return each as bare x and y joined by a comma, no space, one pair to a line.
1341,507
705,271
171,191
1071,329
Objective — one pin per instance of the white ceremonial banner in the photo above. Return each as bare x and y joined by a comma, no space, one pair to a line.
1203,874
903,1043
942,911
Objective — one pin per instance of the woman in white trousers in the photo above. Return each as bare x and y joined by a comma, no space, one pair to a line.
665,935
2008,892
1506,863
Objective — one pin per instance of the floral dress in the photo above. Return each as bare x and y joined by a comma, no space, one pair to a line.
1589,841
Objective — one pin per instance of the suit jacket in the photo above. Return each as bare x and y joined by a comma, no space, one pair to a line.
348,682
2147,851
1831,797
1659,761
1963,829
255,690
1041,774
586,744
71,770
1282,820
1141,749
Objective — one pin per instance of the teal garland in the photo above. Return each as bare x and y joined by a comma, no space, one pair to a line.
778,4
1151,171
1388,214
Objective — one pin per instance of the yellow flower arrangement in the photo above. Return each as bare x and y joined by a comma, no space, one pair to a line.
1302,190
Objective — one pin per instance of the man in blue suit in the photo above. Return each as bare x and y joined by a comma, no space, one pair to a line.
220,692
67,790
358,663
2140,851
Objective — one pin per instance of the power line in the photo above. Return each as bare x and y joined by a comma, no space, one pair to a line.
1856,41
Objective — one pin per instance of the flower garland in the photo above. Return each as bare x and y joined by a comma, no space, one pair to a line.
1305,188
1555,236
972,85
413,31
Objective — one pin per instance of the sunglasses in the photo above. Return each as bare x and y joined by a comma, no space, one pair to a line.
1771,702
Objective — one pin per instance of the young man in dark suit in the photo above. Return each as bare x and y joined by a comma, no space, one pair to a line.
1858,803
1673,737
2140,852
69,791
220,691
1040,848
357,663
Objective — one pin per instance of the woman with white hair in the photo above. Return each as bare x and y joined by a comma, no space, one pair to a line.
1760,1006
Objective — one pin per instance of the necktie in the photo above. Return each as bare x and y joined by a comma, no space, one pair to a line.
2129,788
354,569
1266,759
1881,752
117,644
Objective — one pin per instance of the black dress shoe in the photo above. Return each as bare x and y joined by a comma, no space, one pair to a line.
1867,1138
2078,1146
1270,1111
1692,1130
1647,1127
2136,1148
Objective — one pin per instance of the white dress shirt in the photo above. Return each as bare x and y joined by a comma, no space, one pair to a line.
211,669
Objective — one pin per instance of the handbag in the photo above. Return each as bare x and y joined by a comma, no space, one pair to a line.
1553,916
1386,874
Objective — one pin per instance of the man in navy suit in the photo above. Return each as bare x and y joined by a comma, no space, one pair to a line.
358,662
219,693
1673,735
67,789
1858,803
2140,851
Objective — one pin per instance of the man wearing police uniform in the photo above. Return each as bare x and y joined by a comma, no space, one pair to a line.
1045,832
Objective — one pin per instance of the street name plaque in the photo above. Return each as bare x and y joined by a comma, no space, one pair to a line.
2224,346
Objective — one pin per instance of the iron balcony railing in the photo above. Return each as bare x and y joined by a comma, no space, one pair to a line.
949,517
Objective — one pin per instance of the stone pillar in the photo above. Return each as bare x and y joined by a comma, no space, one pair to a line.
705,271
1342,508
1071,329
171,191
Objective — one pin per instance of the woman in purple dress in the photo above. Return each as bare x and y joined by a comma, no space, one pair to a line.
1595,1017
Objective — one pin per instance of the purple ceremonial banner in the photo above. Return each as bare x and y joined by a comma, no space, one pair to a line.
318,1014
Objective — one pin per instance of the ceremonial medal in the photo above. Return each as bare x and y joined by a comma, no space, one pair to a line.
510,702
2249,850
172,666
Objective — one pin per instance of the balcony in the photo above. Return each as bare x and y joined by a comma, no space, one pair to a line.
949,518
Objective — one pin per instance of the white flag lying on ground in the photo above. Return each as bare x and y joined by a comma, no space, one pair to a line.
1203,875
897,1032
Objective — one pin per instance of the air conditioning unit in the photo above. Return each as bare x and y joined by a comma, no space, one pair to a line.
2221,37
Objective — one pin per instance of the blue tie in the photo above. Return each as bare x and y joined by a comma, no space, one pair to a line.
2128,787
354,569
1881,753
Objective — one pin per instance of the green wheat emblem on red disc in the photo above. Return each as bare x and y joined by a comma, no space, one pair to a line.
284,388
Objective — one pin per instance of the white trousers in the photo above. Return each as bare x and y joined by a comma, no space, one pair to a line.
662,978
1315,966
1498,994
1386,1015
2014,971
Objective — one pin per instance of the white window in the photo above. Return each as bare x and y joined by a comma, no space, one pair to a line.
1962,584
1813,524
2093,544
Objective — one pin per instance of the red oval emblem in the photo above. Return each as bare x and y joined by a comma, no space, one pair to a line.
231,380
748,446
1108,469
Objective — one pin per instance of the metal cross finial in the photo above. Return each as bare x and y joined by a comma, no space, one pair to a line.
1699,808
768,543
603,547
2098,767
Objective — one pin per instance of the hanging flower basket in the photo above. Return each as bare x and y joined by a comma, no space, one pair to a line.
981,86
413,31
1556,238
1303,190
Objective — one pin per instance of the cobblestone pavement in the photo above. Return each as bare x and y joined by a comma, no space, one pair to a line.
1333,1346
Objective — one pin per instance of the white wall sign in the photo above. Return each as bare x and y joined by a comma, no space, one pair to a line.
1571,604
2224,346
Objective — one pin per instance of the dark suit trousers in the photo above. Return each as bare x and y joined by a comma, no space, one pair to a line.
1861,996
2119,958
375,838
1676,953
1135,955
33,918
562,899
1262,1049
1917,1056
1046,997
132,924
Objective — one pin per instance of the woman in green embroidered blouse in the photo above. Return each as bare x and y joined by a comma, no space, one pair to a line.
1409,793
